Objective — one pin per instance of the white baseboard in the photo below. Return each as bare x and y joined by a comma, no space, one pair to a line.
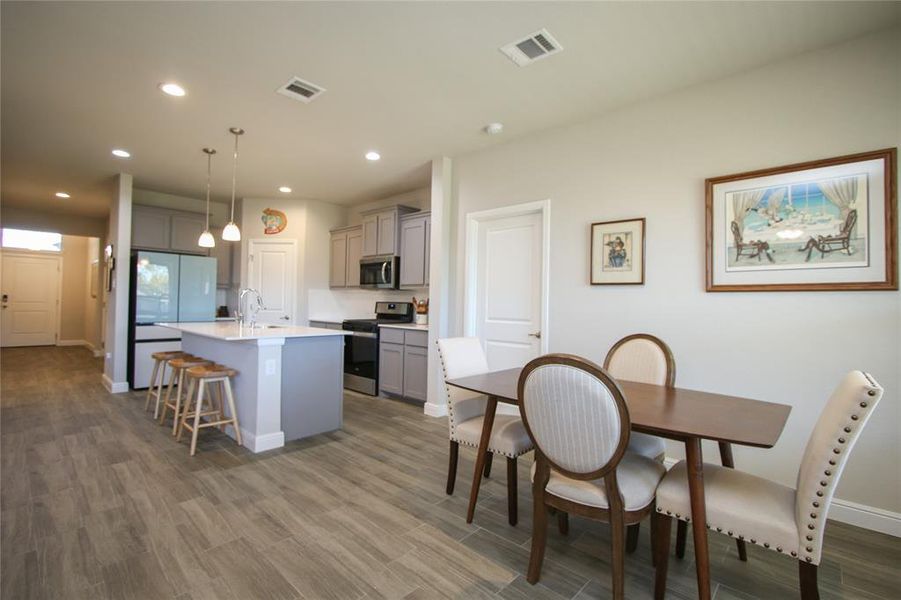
852,513
257,444
74,343
114,387
434,410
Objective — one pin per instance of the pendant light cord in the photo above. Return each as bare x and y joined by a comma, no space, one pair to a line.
234,178
209,169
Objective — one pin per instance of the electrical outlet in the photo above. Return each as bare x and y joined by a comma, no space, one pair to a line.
271,366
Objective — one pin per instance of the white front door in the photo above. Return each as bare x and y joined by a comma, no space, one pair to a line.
506,286
30,300
272,272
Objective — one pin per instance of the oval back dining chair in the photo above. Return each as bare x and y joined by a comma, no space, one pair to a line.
576,415
777,517
462,357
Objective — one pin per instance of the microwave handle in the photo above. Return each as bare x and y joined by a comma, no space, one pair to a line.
385,272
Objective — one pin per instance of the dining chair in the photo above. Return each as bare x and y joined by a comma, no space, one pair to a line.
576,416
786,520
462,357
645,358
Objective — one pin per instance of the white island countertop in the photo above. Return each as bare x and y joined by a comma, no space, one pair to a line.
230,331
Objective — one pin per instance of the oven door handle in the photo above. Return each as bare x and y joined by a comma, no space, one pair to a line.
365,334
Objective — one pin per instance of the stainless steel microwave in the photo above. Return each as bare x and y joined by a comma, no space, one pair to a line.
380,272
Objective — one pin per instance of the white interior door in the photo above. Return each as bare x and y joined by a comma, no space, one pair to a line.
272,272
506,287
30,300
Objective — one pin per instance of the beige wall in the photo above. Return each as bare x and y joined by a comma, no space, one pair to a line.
73,289
650,160
93,306
37,220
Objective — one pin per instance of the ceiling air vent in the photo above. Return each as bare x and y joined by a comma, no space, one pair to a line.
536,46
301,90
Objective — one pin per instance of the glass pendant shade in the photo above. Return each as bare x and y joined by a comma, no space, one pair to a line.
206,240
231,233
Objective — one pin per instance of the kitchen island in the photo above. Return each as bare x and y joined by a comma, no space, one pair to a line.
290,379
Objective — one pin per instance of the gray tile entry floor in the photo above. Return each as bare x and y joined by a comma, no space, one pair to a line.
100,502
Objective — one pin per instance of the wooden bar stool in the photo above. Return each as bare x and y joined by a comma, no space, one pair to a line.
158,378
215,378
178,366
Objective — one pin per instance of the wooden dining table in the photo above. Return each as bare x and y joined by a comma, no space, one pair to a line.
687,416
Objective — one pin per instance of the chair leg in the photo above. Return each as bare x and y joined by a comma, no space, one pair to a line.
632,537
660,525
169,388
452,467
808,575
618,554
653,540
159,390
539,538
512,504
198,408
178,405
180,417
681,534
563,523
487,472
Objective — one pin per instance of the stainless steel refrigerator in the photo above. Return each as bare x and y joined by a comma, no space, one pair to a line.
164,288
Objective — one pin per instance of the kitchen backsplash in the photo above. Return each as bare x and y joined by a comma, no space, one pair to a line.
354,303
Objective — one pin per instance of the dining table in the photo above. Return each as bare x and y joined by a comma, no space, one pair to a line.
687,416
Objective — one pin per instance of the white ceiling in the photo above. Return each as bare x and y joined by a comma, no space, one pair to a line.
412,80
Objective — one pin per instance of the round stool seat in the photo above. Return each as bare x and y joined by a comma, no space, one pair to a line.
167,355
211,371
188,362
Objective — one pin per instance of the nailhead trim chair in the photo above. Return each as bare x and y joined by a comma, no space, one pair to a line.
462,357
777,517
576,415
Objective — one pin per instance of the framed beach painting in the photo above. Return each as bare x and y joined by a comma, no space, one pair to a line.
822,225
617,252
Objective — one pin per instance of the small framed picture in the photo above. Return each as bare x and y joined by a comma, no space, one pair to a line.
617,252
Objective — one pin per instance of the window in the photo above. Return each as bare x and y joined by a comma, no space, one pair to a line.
24,239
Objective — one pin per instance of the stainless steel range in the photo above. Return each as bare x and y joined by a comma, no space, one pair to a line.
361,350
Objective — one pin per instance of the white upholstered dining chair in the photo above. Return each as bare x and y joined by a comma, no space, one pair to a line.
462,357
577,418
787,520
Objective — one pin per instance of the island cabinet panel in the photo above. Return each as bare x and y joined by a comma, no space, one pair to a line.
416,368
186,230
414,250
150,228
391,368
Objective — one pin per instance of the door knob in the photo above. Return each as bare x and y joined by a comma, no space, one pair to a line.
286,318
537,334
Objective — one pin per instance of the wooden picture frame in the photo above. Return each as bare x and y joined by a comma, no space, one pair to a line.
822,225
617,255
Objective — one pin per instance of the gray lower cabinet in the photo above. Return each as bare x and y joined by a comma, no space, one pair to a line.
403,363
391,368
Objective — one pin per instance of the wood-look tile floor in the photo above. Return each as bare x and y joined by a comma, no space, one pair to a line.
100,502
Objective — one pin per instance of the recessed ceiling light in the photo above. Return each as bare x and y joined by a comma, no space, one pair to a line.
372,155
285,189
493,128
62,195
173,89
121,153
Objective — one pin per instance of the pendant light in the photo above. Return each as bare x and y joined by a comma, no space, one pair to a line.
206,238
231,233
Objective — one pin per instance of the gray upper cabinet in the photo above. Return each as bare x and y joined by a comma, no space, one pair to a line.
344,257
150,228
186,230
381,230
415,237
155,228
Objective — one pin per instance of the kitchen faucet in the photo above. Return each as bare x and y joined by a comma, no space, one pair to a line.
249,312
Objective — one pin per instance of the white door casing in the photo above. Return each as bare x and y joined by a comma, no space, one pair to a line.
272,271
506,301
30,299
